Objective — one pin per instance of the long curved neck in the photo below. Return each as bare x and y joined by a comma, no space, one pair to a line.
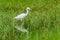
26,11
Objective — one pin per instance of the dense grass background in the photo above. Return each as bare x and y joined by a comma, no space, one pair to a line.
43,21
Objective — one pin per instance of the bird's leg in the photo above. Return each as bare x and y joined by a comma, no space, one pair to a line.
18,23
22,24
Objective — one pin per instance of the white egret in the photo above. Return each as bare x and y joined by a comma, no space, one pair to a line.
23,15
20,17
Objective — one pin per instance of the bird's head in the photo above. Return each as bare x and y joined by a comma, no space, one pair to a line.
28,8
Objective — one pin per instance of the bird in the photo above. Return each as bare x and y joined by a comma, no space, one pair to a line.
23,15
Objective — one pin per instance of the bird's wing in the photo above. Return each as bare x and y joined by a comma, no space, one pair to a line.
20,15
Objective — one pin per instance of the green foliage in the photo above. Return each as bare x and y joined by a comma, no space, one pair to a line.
43,21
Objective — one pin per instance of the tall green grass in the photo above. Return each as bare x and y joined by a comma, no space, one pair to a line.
42,22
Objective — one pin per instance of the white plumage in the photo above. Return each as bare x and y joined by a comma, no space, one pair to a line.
23,15
20,17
